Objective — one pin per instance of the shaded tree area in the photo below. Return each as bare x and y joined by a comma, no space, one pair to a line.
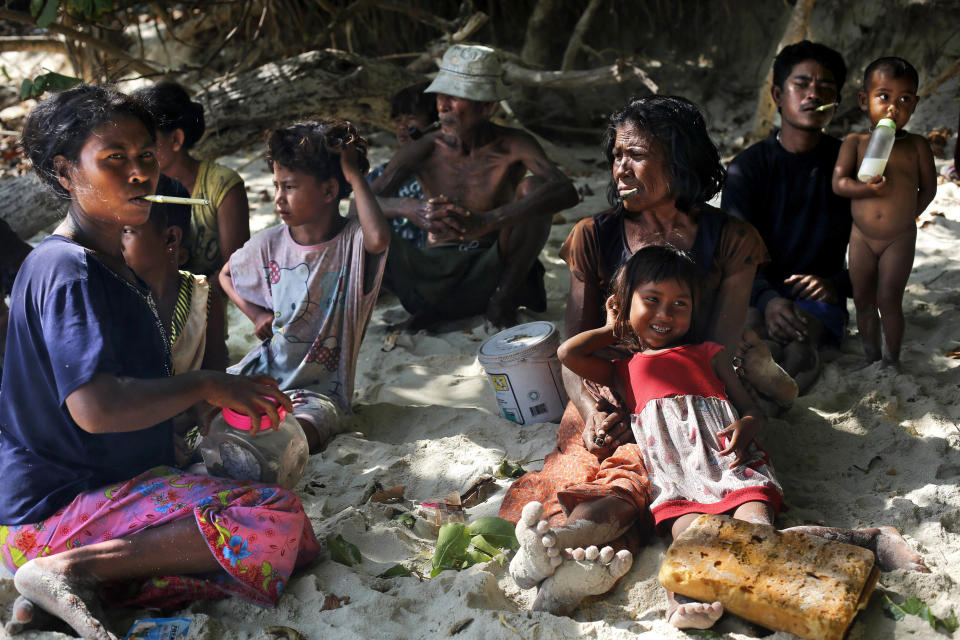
254,63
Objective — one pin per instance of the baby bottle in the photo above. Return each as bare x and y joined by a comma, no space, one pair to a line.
270,456
878,150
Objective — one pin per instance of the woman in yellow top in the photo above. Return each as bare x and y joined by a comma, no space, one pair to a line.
216,229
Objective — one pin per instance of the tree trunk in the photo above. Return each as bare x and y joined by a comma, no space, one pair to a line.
795,32
31,207
316,84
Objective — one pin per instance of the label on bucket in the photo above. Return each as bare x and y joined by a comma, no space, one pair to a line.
524,372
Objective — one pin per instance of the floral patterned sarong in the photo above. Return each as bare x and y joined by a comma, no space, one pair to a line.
258,533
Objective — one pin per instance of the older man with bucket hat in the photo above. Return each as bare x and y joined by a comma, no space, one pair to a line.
491,195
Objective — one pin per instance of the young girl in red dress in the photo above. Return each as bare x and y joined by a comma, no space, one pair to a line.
689,411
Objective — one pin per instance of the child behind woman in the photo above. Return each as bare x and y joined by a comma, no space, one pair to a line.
309,285
884,233
684,398
192,318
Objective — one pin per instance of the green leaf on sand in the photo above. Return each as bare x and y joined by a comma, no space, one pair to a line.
509,469
396,571
497,531
406,519
452,543
916,607
342,551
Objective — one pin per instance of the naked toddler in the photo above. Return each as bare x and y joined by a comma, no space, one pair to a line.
884,210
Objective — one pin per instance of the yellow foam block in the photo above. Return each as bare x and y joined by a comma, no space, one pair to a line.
785,581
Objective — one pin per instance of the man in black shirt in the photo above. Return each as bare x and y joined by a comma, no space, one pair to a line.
782,186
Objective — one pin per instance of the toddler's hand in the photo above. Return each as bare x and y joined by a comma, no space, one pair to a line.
741,434
611,306
878,184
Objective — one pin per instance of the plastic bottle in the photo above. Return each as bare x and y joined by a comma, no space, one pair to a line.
270,456
878,150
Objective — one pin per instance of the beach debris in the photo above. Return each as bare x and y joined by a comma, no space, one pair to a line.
916,607
396,571
459,626
168,628
390,341
770,577
342,551
480,490
508,470
289,633
460,546
388,496
504,622
445,509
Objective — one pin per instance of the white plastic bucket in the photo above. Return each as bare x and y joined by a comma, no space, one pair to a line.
524,372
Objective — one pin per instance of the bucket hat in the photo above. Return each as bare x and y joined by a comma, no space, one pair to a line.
471,72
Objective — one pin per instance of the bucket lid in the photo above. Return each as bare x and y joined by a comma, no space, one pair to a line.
242,421
517,340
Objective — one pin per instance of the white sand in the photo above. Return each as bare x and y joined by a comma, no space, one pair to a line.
857,450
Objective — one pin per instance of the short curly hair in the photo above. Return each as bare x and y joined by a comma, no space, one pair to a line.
692,160
314,148
61,124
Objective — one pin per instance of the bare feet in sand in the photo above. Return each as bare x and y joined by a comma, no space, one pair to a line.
685,613
538,555
42,584
763,373
587,572
893,552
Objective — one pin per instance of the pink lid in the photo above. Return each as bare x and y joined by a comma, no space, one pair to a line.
242,421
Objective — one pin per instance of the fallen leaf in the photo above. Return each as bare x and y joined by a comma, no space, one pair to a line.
388,496
396,571
334,602
390,342
342,551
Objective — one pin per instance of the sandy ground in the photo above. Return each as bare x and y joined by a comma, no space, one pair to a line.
857,450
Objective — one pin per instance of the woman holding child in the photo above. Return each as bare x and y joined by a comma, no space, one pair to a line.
91,498
594,487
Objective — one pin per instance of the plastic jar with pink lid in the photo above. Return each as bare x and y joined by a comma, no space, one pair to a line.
269,456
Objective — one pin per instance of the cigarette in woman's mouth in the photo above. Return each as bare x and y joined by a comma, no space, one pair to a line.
175,200
628,192
824,107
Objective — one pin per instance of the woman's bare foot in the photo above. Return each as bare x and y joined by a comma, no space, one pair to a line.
684,613
538,555
73,600
588,572
894,552
763,373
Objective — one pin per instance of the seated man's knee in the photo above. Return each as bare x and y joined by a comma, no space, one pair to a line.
528,185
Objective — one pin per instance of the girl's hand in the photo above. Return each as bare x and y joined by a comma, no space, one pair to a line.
350,163
740,434
247,395
263,325
606,429
612,311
